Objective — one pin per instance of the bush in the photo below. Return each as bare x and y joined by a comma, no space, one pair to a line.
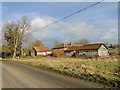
6,55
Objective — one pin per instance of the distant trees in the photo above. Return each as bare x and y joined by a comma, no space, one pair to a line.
56,43
116,46
83,41
106,43
38,43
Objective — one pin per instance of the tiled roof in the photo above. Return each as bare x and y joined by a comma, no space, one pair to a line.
41,49
86,47
63,45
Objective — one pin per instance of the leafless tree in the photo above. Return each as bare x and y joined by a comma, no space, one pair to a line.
24,26
38,43
106,43
83,41
56,43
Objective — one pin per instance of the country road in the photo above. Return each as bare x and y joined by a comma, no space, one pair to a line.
15,75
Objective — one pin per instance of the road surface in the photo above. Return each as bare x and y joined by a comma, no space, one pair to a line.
15,75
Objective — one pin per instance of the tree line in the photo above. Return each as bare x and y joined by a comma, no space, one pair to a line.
17,39
14,32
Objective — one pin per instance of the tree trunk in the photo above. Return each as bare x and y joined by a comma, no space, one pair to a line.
22,49
22,44
22,35
15,46
24,25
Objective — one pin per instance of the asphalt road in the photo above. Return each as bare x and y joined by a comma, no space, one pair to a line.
15,75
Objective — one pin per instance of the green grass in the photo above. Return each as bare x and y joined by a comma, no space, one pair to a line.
104,71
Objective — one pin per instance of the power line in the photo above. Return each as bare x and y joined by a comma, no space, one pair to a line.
70,15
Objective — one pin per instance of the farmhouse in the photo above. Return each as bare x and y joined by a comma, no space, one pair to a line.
87,50
62,47
41,51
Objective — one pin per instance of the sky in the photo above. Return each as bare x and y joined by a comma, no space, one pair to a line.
98,24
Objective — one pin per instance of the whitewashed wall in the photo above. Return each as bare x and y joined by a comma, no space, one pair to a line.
48,52
41,53
44,53
102,51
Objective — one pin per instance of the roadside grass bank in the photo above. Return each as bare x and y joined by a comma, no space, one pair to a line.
102,70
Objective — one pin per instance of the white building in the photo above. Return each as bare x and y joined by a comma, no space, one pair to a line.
43,51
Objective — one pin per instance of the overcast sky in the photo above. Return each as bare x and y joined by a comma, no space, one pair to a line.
97,24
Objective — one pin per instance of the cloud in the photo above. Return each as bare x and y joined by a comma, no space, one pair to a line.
73,31
97,24
109,31
46,35
42,21
99,32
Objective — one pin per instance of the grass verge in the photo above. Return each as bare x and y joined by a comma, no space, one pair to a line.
104,71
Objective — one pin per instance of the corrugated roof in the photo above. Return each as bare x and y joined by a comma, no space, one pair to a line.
86,47
41,49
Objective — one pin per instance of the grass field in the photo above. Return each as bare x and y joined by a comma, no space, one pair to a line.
113,51
102,70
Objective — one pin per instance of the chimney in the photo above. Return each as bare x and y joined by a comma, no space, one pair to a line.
70,43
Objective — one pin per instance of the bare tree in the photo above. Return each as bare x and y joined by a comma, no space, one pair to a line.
15,33
24,26
83,41
38,43
56,43
106,43
15,46
28,41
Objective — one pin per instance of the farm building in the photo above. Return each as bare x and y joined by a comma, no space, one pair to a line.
43,51
87,50
62,47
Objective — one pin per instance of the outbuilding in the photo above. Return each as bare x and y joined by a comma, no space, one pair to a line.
60,49
43,51
87,50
